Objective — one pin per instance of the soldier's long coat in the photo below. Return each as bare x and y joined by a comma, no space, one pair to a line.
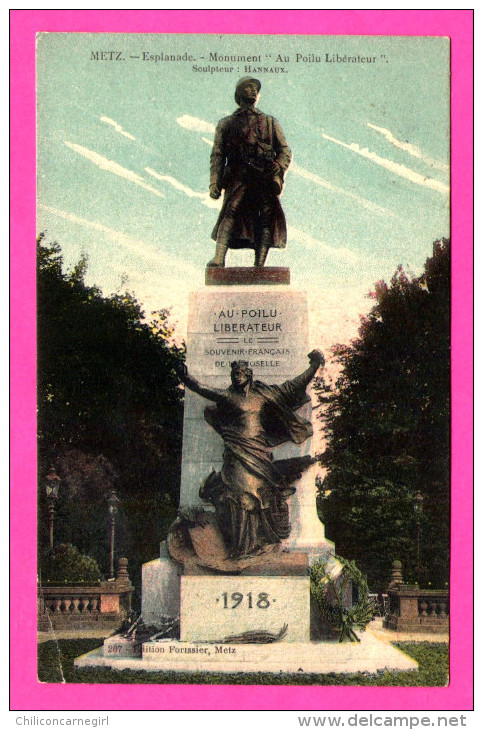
234,134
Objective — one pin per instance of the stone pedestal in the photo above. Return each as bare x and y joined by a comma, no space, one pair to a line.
268,327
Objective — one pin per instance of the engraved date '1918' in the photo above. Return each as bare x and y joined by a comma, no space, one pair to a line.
247,600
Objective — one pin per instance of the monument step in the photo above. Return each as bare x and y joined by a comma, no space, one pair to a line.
370,655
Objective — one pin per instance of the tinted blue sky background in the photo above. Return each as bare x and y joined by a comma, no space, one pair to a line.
124,146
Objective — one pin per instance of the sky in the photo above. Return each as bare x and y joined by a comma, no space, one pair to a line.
124,141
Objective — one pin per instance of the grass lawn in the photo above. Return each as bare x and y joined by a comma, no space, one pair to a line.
56,663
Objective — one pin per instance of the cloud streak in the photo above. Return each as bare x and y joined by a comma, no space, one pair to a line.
110,166
194,124
203,197
117,127
341,254
136,247
393,167
159,279
410,148
317,180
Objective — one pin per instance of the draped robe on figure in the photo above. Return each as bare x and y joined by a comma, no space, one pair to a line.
251,490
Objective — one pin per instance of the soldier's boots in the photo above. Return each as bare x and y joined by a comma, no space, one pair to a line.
220,253
261,252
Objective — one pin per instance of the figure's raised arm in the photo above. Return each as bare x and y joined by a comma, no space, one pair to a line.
316,360
294,390
204,390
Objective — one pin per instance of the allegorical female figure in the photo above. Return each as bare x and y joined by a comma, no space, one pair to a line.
251,491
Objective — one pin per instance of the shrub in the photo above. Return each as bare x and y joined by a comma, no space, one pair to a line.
65,564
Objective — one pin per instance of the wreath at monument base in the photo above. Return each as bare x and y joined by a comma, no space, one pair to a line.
330,594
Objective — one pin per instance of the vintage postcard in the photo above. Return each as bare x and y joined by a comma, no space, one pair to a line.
244,306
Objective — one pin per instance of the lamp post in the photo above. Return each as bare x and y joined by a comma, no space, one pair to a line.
113,503
52,484
418,508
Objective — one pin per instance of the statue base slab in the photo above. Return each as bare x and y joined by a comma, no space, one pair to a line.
246,275
371,655
240,609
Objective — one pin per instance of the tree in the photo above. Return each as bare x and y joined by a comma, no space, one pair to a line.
388,430
109,410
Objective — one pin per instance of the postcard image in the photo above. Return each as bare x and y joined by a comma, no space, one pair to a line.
243,359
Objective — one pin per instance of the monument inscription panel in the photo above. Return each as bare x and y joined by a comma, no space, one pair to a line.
268,329
217,608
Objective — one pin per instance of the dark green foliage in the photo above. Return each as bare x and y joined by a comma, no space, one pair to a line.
65,564
109,413
56,664
330,596
388,431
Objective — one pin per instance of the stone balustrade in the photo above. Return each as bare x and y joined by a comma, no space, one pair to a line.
414,609
68,607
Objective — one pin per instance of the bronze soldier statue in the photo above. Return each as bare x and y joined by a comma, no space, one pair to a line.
249,158
250,492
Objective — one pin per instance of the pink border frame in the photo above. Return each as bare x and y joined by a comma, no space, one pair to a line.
26,692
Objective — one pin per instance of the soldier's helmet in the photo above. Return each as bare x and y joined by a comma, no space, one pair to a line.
241,83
